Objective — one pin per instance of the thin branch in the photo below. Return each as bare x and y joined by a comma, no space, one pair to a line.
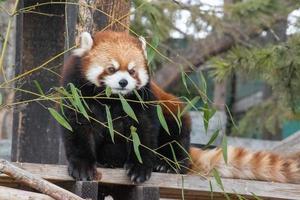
36,182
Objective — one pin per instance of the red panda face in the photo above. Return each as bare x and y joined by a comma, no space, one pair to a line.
114,59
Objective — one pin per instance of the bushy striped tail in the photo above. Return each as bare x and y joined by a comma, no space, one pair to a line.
246,164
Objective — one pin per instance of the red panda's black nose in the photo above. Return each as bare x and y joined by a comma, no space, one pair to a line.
123,83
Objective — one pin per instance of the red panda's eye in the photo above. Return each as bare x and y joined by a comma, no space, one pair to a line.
131,71
111,70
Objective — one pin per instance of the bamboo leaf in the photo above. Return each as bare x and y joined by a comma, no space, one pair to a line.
108,91
203,87
136,143
224,148
217,178
212,138
38,86
183,74
206,116
151,51
256,197
211,190
77,101
110,124
240,197
139,98
162,119
190,104
60,119
174,156
127,108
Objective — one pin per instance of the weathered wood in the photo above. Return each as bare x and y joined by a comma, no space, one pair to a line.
171,185
7,193
289,145
35,138
36,182
86,189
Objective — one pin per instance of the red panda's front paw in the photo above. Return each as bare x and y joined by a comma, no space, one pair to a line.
138,173
82,171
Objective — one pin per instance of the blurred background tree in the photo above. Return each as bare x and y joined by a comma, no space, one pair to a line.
247,50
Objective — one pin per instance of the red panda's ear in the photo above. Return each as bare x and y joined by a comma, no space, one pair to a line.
144,44
86,44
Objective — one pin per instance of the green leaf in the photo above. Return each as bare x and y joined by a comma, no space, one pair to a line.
1,98
84,102
127,108
190,104
136,143
151,51
240,197
212,138
60,119
162,119
203,84
208,113
256,197
77,101
38,86
110,124
206,116
174,156
108,91
217,178
139,98
224,148
183,74
211,190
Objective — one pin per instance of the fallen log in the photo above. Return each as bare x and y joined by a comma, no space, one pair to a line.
36,182
7,193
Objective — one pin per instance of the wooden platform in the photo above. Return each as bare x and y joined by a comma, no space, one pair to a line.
171,185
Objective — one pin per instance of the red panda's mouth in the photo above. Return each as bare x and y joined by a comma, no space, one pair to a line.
120,90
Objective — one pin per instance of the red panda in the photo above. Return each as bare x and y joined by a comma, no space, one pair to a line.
119,61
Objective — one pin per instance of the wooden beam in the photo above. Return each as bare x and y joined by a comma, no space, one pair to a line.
7,193
172,185
289,145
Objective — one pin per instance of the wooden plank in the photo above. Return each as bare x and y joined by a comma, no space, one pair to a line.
289,145
7,193
171,185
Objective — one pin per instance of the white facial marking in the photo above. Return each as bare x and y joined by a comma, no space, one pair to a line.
115,63
144,45
131,65
85,44
113,80
143,76
93,73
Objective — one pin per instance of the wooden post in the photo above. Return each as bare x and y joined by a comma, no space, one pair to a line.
39,38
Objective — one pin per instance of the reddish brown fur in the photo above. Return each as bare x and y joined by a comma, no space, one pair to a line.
169,102
245,164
